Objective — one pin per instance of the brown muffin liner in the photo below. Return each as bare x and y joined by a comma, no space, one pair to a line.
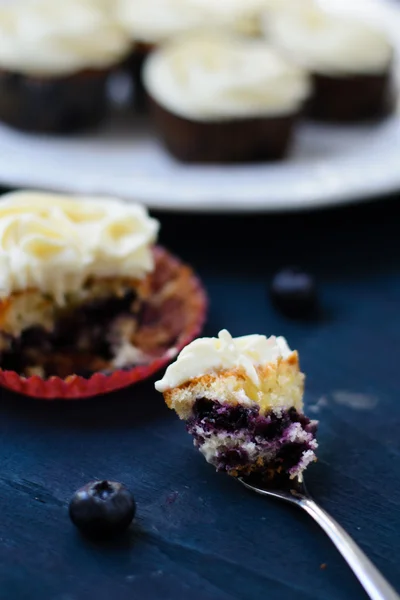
190,306
134,66
351,99
233,141
53,104
137,57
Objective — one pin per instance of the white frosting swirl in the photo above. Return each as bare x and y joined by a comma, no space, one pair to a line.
212,77
205,355
327,41
243,16
53,37
54,242
155,21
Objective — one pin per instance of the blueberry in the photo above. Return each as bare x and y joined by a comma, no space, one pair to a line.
294,293
203,408
102,508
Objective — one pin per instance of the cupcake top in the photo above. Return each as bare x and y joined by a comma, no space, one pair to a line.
156,21
48,38
243,16
206,355
328,42
212,77
54,243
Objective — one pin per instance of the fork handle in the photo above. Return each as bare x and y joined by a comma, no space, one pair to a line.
368,575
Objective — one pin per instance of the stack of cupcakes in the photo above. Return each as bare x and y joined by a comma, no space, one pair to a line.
225,81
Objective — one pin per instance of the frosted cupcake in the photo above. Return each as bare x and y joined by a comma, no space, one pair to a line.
240,16
83,290
55,59
155,22
242,400
223,98
350,60
152,23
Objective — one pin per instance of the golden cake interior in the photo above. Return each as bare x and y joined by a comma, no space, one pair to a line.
248,429
280,384
111,323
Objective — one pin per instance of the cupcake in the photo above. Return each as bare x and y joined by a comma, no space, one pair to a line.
222,98
242,400
349,59
83,290
244,17
55,60
155,22
150,24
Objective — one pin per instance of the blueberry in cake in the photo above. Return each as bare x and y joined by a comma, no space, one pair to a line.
83,289
242,400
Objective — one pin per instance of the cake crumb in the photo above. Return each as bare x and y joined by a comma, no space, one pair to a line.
323,566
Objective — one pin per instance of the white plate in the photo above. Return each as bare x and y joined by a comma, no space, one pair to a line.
328,166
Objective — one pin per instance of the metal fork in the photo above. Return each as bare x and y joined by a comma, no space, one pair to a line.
295,492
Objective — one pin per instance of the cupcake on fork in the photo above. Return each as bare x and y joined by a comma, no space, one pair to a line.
242,400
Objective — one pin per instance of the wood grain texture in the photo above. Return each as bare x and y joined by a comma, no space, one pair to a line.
199,535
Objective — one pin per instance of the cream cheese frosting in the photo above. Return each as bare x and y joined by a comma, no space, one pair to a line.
54,243
206,355
219,76
243,16
48,37
156,21
324,40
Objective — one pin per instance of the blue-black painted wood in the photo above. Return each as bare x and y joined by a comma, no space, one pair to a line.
199,535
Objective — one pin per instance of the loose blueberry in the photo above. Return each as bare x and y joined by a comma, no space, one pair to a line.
294,293
102,508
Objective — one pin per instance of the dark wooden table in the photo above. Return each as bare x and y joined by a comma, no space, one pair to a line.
200,535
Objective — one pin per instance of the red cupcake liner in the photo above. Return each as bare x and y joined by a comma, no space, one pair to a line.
75,387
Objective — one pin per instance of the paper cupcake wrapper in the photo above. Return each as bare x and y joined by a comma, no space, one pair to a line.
77,387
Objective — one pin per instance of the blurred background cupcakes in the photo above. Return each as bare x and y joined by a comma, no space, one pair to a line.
151,23
240,16
349,59
55,60
154,22
223,98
